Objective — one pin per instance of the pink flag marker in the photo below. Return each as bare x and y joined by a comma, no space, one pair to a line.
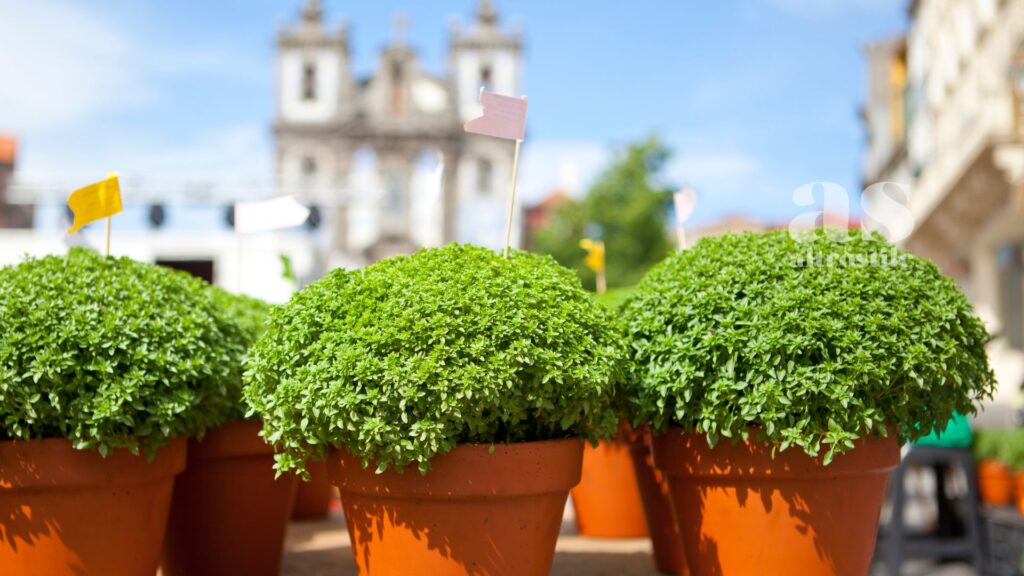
685,201
504,117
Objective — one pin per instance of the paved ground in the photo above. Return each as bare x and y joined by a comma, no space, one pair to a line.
321,548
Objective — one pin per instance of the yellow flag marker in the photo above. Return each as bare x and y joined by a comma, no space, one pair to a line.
95,201
595,260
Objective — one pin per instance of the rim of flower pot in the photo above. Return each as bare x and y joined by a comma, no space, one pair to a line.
469,470
993,465
53,463
681,453
239,439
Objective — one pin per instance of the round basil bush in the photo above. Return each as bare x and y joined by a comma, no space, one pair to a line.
413,355
810,341
107,352
243,319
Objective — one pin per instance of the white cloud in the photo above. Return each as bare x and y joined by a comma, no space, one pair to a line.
66,69
710,169
728,180
62,64
563,165
239,151
224,162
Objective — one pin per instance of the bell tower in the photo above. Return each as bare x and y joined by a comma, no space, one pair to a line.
484,56
383,156
313,81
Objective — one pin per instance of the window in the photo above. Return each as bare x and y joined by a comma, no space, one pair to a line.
308,81
393,217
484,176
396,87
487,77
1011,272
1017,80
897,98
308,166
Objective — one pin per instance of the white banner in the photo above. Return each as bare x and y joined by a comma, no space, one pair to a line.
274,214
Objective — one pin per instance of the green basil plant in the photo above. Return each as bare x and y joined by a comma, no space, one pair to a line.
811,341
243,319
413,355
108,352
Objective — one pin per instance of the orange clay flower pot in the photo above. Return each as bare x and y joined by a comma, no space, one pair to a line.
607,499
313,498
229,514
661,521
475,512
67,511
742,512
1018,489
995,482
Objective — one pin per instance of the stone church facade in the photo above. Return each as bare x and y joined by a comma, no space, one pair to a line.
384,158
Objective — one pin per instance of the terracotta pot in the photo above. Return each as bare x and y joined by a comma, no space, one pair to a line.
474,512
995,482
607,499
742,512
67,511
229,514
661,521
313,498
1018,490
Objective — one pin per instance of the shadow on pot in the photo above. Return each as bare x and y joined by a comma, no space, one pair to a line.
742,512
666,542
72,511
475,512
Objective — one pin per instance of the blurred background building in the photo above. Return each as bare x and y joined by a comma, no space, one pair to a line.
11,215
382,161
387,154
944,113
379,153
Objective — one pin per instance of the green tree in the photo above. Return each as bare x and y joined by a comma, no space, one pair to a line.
628,206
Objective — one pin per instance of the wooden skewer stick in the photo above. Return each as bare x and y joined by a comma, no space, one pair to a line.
511,198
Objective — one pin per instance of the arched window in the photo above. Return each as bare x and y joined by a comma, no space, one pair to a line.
308,166
397,90
484,176
487,77
309,81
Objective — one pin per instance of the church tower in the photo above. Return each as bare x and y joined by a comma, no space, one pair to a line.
314,89
384,156
313,70
484,56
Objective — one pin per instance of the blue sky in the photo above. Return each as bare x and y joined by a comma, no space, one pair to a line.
756,97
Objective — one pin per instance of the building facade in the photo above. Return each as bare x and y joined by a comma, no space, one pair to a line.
385,157
944,115
12,215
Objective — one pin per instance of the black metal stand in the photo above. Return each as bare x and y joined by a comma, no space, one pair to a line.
955,537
